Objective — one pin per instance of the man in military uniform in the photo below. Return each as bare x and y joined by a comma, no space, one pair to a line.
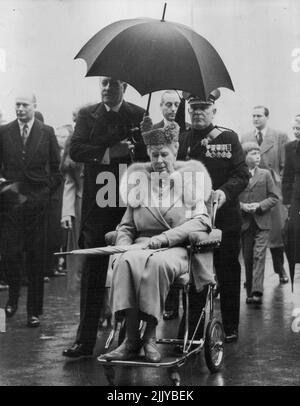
221,152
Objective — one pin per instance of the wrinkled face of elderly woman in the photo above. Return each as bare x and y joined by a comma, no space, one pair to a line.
163,157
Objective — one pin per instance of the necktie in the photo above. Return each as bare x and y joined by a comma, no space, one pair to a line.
259,138
24,134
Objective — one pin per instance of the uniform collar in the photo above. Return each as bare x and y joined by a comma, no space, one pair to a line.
202,133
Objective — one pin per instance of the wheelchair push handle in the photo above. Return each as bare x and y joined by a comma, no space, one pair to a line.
214,212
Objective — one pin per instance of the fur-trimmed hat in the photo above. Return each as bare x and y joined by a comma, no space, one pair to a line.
161,136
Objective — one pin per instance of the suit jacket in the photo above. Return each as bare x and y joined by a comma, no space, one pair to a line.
261,189
291,173
272,152
95,131
161,124
36,169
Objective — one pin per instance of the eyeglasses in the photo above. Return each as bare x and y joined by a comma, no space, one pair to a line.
296,128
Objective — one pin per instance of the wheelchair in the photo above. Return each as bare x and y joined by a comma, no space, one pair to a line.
212,337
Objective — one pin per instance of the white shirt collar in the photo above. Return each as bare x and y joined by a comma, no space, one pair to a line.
167,122
263,131
29,124
114,108
252,171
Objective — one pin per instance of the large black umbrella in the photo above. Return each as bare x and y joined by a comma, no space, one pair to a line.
154,55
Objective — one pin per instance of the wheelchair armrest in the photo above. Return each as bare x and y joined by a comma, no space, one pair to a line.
201,242
110,237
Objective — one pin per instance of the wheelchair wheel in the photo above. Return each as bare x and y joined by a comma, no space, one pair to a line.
214,345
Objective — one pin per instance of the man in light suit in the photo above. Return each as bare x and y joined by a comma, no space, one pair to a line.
272,143
256,202
29,157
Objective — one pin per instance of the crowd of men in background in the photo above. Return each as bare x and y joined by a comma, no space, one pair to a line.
55,185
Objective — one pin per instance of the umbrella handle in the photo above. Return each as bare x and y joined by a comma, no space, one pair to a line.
148,104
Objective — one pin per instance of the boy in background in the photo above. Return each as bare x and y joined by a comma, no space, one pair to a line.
256,202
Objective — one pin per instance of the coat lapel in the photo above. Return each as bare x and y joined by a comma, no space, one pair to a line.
33,141
15,139
268,142
158,216
99,110
254,179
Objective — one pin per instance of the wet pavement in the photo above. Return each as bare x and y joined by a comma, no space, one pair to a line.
267,353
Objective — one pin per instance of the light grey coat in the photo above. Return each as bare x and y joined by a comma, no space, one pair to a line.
272,158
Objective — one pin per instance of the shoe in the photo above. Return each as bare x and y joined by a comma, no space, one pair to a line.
127,351
231,337
78,350
151,351
33,321
257,300
3,286
10,309
249,300
170,314
59,273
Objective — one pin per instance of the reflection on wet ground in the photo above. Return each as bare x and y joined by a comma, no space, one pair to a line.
267,353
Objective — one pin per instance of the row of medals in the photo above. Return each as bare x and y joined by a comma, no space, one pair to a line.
218,151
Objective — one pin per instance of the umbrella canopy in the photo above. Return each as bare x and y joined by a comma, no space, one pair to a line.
154,55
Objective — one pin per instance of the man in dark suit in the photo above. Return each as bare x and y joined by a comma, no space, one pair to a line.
29,156
220,151
106,135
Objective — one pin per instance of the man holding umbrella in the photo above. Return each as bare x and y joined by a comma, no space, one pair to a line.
221,152
104,137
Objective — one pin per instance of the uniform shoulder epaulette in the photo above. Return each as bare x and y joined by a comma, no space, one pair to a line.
223,128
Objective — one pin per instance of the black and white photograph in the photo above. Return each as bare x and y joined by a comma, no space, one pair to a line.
149,195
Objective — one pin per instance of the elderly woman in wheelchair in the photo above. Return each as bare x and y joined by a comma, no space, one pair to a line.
166,202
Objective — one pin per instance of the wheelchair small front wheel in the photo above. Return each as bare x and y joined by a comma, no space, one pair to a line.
214,345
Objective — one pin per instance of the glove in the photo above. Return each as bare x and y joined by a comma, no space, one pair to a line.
158,241
146,124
